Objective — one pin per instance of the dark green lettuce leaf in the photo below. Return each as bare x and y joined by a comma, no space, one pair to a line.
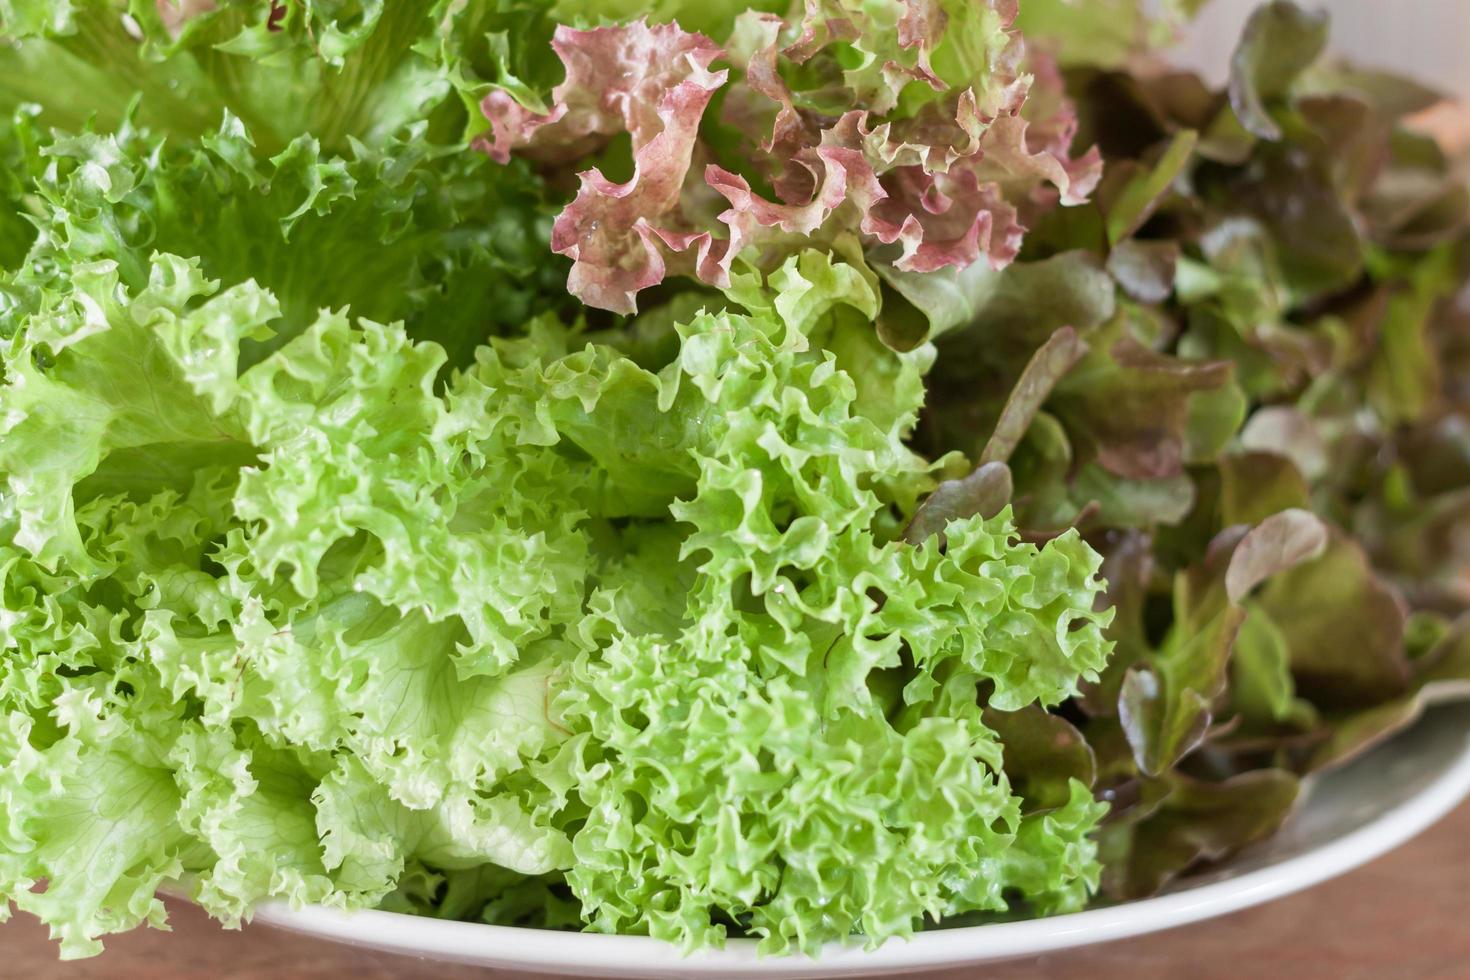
337,72
438,238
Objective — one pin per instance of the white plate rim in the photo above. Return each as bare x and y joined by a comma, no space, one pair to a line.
593,953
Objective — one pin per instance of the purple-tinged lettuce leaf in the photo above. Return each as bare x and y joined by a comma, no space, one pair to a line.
1044,754
985,492
1321,258
1281,39
1278,543
1144,270
1343,625
1255,485
1392,95
1129,407
1442,674
1046,368
1314,232
1166,706
923,143
1194,822
1013,310
652,83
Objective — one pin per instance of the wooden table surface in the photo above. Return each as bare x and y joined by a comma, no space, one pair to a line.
1406,915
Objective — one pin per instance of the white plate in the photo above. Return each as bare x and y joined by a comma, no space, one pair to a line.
1349,816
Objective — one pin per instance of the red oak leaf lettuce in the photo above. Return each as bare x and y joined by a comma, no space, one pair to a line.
904,124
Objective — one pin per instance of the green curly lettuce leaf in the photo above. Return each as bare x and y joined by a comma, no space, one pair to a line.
343,622
361,545
337,72
402,231
729,697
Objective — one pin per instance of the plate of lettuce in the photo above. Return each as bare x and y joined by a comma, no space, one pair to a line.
1346,817
661,485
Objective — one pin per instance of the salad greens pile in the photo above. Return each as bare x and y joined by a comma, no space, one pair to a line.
704,469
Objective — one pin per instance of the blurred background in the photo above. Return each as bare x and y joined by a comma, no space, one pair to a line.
1426,39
